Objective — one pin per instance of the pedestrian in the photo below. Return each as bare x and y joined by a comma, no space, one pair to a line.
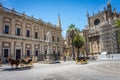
0,62
112,57
64,58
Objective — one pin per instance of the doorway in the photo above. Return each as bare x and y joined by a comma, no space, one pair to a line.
18,54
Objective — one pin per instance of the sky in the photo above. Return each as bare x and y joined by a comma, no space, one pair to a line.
70,11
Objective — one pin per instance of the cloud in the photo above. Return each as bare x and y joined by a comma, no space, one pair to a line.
3,0
6,3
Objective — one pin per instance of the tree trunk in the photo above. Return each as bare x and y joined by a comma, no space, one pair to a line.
73,50
78,52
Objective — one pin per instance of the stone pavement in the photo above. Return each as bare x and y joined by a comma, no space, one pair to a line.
69,70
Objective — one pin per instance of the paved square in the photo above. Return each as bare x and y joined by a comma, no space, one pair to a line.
100,70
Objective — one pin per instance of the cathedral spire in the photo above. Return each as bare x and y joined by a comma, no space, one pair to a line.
115,11
109,2
109,10
87,14
109,5
59,21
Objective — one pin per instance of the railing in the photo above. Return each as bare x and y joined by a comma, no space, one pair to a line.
26,16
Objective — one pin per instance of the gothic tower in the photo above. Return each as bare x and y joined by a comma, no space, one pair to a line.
109,10
59,21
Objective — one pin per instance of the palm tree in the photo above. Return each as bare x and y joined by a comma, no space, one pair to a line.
78,42
71,31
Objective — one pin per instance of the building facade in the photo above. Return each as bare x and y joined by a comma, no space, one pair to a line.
24,36
102,31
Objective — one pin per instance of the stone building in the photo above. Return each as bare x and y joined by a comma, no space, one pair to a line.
24,36
102,31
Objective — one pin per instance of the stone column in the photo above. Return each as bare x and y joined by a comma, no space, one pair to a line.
42,50
23,29
12,50
39,33
32,30
1,24
33,54
33,50
42,36
24,50
0,48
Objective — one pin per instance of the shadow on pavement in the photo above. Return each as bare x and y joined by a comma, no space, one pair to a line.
17,69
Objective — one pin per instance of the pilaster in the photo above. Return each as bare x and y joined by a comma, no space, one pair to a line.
12,49
33,50
0,48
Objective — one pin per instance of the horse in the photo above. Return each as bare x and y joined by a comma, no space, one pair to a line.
14,62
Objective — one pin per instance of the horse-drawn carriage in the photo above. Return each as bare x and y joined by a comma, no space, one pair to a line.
27,62
82,60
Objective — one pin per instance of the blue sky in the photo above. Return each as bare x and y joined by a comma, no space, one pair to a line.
71,11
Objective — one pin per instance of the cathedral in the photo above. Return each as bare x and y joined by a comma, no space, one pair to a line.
25,36
101,31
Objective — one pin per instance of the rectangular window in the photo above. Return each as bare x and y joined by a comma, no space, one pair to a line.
44,36
18,31
52,38
36,53
57,39
6,29
36,35
28,53
28,33
5,53
58,53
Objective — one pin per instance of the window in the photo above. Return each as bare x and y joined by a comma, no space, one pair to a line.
6,29
97,21
36,53
5,53
28,53
28,33
18,31
45,54
44,36
58,53
52,38
36,35
57,39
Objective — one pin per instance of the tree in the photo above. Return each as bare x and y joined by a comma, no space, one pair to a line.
78,42
71,31
117,23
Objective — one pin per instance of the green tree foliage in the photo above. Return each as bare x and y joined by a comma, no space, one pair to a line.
78,42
